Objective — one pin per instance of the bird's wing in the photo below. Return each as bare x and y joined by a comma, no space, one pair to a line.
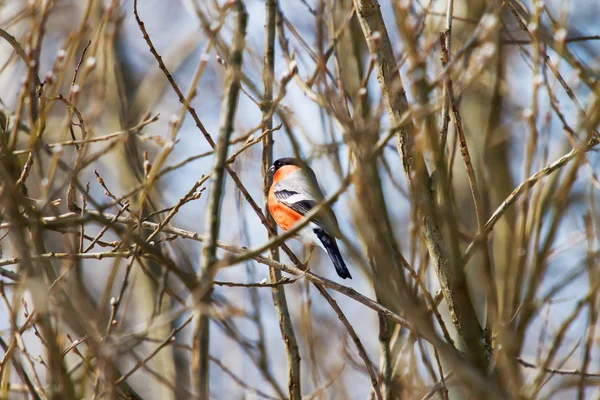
300,191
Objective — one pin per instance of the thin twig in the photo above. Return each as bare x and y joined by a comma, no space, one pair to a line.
240,381
526,184
283,281
557,371
361,350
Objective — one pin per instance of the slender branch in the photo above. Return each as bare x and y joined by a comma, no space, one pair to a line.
168,340
192,194
63,256
441,386
279,297
283,281
361,350
557,371
109,136
208,259
19,50
446,38
567,40
525,185
240,381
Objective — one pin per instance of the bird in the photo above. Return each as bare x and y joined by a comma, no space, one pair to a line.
293,193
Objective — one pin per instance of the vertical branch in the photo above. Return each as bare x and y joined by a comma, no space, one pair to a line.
452,102
279,297
349,76
446,38
208,258
592,305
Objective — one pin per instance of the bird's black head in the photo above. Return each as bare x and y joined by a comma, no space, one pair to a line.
284,161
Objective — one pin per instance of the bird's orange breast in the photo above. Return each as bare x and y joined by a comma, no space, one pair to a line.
284,216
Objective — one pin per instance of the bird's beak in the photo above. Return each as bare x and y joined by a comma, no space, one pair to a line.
271,170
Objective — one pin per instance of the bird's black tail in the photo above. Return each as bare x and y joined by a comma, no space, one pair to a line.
334,253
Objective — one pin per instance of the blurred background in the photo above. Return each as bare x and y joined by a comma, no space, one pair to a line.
524,89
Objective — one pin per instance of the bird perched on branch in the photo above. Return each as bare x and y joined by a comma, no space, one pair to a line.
294,191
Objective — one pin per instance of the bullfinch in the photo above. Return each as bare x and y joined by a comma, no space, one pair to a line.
294,191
